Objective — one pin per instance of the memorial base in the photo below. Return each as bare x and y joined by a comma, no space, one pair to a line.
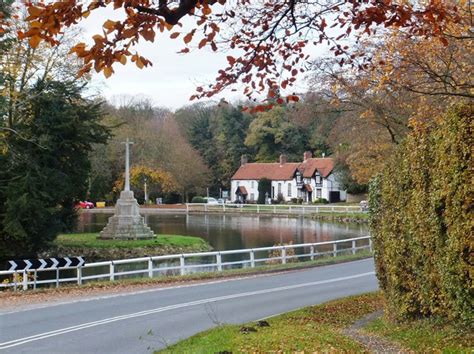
126,224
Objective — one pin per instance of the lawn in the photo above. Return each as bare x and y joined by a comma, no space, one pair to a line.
90,240
313,329
319,329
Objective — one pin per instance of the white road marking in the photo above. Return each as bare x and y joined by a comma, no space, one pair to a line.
20,341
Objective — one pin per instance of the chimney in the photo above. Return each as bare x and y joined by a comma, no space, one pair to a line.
324,155
307,155
243,160
283,159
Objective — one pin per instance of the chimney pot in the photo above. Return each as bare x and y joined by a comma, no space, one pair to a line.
307,155
243,160
283,159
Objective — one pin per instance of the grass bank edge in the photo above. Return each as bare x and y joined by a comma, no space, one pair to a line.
180,279
325,323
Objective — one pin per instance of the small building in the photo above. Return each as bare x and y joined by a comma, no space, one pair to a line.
309,180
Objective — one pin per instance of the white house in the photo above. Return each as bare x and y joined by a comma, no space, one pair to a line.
311,179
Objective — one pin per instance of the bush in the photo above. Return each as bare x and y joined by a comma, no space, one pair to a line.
421,219
198,199
320,201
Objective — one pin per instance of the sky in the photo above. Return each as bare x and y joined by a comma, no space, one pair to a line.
173,77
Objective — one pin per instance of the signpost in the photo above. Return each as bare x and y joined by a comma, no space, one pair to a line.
49,263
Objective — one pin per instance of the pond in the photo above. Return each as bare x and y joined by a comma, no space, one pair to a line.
226,232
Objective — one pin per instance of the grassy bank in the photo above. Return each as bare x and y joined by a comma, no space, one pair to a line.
425,336
323,328
94,250
90,240
313,329
341,217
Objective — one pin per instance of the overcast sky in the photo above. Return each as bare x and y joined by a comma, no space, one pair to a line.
173,77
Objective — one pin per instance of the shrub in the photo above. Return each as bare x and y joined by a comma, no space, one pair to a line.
198,199
421,220
320,201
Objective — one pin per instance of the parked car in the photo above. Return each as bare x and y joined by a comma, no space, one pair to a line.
221,201
364,205
211,201
86,205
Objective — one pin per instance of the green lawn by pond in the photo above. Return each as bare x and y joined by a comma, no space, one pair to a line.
90,240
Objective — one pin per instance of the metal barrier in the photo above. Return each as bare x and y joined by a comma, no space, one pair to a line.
272,208
177,263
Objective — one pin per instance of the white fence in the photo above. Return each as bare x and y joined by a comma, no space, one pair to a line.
183,264
272,208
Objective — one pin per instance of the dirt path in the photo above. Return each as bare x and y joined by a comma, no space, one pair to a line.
373,343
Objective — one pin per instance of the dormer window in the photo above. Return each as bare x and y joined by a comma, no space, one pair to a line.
317,177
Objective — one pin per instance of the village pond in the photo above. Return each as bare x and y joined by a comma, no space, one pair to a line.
228,232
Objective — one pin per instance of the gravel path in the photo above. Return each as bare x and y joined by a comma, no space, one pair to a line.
373,343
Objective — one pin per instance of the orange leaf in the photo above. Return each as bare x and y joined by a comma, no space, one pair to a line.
202,43
109,24
108,71
188,37
123,59
34,11
174,35
139,63
207,10
34,41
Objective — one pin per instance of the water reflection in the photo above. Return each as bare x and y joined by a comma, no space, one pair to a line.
226,232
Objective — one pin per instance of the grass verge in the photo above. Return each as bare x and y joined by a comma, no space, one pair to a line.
312,329
425,336
90,240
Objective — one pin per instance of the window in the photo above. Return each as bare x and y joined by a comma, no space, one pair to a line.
279,188
289,189
318,178
238,183
252,196
318,193
251,184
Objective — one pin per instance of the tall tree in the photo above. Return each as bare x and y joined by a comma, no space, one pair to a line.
45,170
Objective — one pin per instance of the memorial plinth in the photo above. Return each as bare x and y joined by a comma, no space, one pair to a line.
127,223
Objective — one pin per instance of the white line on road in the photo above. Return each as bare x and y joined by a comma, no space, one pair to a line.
20,341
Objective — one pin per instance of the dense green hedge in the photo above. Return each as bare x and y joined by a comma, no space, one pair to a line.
422,221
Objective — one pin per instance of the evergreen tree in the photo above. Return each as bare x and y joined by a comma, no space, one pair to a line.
45,168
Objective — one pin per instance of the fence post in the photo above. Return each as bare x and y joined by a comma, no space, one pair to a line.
187,208
258,208
274,209
370,244
205,207
219,261
332,209
35,275
79,275
182,270
25,280
353,247
283,255
289,209
334,249
57,277
223,207
112,271
311,251
150,268
252,258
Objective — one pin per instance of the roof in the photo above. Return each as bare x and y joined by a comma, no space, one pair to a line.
241,190
272,171
277,172
323,165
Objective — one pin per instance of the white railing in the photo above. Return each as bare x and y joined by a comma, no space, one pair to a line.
179,263
272,208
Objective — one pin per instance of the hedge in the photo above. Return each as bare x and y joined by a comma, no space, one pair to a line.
422,224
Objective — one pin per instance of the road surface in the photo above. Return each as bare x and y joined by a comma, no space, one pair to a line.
146,320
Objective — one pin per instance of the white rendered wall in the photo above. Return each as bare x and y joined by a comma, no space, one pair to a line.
234,184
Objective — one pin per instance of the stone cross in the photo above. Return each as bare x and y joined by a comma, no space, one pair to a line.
127,164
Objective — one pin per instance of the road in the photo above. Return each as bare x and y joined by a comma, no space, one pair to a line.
150,319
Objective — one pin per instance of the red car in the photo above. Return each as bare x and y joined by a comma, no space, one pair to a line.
86,205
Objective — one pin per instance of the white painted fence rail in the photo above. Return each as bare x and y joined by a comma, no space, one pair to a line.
272,208
177,263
